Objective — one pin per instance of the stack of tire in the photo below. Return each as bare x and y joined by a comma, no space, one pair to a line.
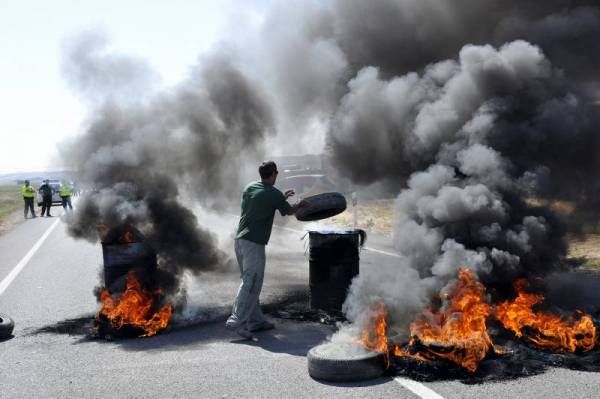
337,362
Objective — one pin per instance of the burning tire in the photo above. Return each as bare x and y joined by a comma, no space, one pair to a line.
6,326
344,362
321,206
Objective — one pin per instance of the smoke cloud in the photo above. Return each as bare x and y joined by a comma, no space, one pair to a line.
141,146
467,139
465,110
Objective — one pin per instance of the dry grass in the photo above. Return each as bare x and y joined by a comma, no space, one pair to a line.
587,249
583,222
374,216
10,202
377,216
584,227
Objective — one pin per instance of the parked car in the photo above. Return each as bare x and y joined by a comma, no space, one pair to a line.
56,200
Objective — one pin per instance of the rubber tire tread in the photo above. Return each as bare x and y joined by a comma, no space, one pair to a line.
321,206
345,370
7,326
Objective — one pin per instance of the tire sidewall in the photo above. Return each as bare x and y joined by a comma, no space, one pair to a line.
367,367
7,326
333,201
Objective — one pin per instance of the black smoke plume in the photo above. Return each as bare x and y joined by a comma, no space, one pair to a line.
142,146
467,110
472,112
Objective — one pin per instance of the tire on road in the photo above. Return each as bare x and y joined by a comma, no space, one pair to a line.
321,206
344,363
6,326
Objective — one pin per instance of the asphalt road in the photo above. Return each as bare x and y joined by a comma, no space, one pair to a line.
51,356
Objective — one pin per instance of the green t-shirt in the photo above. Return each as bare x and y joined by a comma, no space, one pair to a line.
259,202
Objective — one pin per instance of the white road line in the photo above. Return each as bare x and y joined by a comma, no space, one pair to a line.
418,389
23,262
288,229
379,251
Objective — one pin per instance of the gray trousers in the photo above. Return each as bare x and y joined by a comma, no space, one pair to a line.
246,308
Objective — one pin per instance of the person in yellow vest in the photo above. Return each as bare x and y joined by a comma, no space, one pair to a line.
28,194
65,192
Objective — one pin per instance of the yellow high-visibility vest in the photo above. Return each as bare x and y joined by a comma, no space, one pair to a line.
27,191
65,190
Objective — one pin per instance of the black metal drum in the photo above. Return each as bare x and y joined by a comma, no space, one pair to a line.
124,250
333,263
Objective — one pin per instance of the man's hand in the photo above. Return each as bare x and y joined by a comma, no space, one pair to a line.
297,205
301,202
289,193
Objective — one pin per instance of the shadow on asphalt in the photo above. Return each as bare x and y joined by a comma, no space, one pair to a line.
357,384
291,337
6,338
294,336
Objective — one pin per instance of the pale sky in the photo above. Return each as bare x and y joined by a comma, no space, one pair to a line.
38,110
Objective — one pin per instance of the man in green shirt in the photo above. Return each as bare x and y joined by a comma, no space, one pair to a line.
260,200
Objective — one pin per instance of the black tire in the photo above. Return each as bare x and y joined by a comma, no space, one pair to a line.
321,206
6,326
356,365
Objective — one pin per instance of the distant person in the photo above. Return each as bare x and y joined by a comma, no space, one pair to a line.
75,189
46,191
260,200
65,191
28,194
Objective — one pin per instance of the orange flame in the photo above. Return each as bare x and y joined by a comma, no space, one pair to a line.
127,237
544,329
134,308
375,338
457,332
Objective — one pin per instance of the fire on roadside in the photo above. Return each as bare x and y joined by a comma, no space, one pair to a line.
134,308
457,331
375,338
544,329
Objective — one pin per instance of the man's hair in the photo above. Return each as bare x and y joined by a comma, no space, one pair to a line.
26,181
266,169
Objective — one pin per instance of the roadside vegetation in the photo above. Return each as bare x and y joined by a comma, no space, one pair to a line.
377,216
374,216
10,203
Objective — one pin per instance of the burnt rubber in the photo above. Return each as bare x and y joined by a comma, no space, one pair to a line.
6,326
321,206
360,366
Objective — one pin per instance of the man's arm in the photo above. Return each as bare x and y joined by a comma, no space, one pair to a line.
294,208
289,209
285,208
